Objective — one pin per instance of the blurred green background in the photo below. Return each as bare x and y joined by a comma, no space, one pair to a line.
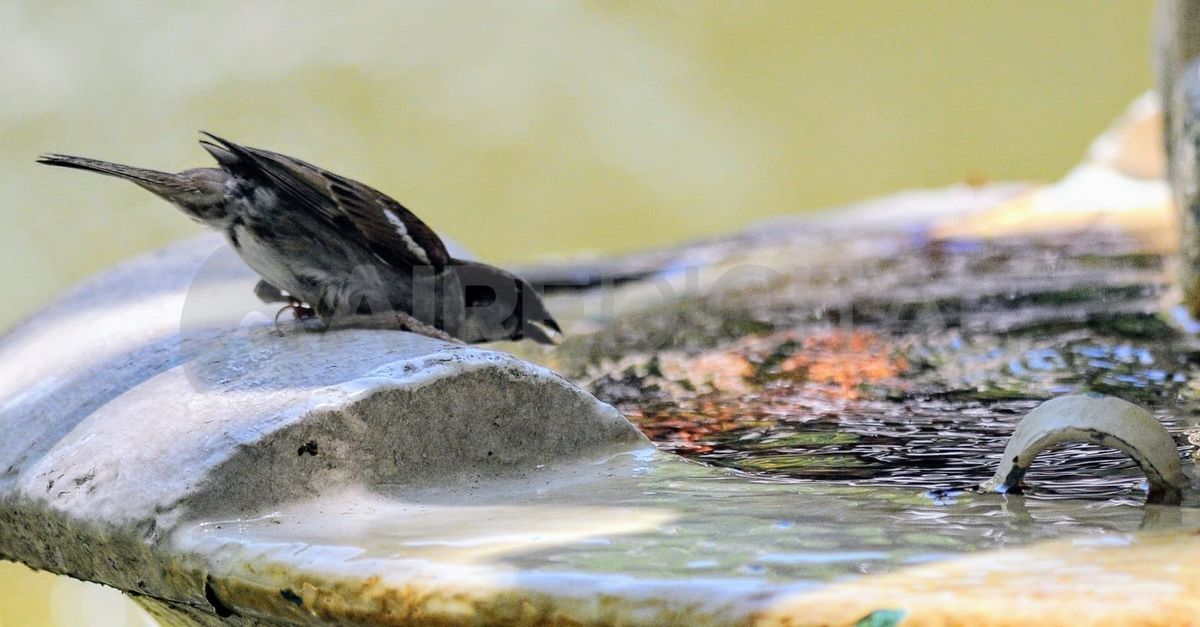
529,130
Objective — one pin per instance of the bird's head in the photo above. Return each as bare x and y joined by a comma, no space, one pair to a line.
499,305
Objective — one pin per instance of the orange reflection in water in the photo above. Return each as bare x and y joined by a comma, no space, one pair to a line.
755,381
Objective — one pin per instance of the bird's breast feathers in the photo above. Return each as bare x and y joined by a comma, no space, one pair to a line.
265,258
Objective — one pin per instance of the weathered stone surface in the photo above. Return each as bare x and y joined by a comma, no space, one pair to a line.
138,401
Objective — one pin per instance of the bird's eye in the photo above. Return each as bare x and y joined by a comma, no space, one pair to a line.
479,295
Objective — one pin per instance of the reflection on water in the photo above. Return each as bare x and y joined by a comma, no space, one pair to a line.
823,421
662,522
929,445
891,400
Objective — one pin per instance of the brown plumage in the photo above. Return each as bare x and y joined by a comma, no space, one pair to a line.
344,249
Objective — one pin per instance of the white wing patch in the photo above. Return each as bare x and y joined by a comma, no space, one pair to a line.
402,231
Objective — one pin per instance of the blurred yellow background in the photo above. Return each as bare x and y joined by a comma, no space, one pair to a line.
526,130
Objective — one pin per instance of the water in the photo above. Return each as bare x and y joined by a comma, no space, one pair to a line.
851,407
651,521
920,385
921,445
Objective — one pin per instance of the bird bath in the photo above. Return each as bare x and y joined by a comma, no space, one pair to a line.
817,393
815,435
820,392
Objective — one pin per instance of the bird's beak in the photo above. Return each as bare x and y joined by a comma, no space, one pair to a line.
535,333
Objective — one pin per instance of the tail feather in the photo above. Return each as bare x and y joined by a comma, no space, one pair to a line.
152,178
200,193
224,156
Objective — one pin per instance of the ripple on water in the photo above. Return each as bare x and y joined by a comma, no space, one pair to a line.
860,408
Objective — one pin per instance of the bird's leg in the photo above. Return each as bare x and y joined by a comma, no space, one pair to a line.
392,320
268,293
299,309
416,326
301,313
328,312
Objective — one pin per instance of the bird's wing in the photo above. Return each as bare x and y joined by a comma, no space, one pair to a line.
386,227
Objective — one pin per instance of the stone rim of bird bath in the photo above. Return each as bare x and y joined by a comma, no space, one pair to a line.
284,501
649,539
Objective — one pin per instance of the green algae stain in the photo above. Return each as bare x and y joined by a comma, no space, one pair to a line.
882,618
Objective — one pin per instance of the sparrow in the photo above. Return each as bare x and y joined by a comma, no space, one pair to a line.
336,250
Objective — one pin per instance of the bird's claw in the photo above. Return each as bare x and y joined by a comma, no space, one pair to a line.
301,313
